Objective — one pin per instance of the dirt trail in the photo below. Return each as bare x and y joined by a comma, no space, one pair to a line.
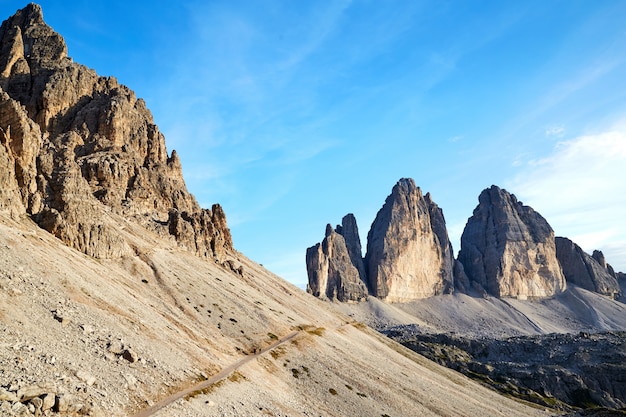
213,379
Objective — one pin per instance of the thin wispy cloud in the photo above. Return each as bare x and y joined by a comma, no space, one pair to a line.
555,131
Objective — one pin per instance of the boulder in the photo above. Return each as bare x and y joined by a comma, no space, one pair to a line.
508,249
409,255
35,390
589,272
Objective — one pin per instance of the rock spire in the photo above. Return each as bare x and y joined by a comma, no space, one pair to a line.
334,266
409,255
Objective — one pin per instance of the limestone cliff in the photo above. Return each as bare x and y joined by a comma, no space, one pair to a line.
589,272
508,249
75,146
409,255
331,271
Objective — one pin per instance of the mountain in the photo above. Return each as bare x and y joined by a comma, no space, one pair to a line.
77,146
532,315
120,296
508,249
409,255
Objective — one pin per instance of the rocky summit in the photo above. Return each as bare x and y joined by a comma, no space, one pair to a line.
409,255
508,249
75,146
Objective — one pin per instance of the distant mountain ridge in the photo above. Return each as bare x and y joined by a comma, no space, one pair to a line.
507,250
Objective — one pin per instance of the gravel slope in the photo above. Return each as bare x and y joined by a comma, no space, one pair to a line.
111,337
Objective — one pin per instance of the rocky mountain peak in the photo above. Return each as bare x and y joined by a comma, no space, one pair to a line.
333,269
408,255
508,249
76,147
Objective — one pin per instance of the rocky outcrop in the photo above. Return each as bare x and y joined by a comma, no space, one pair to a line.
589,272
508,249
409,255
331,271
567,371
599,257
75,146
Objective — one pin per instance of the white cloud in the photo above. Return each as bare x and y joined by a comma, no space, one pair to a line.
581,191
555,131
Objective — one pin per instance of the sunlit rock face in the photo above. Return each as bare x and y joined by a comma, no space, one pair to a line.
589,272
409,255
76,146
332,272
508,249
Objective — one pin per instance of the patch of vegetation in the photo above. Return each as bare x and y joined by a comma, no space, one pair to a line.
360,394
359,325
277,352
233,320
272,336
145,281
236,377
349,387
318,331
332,391
295,372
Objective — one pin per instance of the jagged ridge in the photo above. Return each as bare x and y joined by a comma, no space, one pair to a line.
75,146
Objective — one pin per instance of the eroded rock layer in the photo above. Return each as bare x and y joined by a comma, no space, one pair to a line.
75,146
508,249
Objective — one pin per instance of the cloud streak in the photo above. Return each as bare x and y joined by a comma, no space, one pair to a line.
580,190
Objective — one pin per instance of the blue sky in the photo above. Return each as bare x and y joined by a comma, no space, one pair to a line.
293,113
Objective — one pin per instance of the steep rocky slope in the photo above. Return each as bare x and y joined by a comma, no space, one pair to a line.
508,249
76,146
111,337
106,307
